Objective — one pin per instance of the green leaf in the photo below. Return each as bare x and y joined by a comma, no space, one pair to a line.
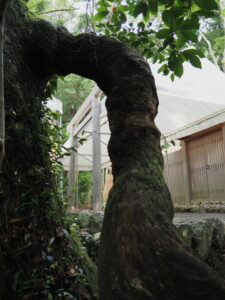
195,61
177,23
178,69
207,4
205,13
141,8
122,17
180,42
100,15
163,33
167,42
153,5
103,3
163,1
179,3
175,63
191,23
172,77
50,297
174,16
167,17
141,25
166,71
162,68
189,34
192,52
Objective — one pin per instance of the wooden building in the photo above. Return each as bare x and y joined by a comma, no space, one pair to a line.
196,172
191,112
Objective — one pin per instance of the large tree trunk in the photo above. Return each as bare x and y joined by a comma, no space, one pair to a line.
38,259
141,256
3,8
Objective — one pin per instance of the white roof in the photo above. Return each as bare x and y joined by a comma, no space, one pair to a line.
197,95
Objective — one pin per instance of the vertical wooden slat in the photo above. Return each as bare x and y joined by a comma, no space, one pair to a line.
197,165
216,172
186,175
207,164
173,173
197,172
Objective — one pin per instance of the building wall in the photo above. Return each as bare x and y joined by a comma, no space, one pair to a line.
196,173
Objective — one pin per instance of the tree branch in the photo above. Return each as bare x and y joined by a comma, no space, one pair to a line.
209,47
54,10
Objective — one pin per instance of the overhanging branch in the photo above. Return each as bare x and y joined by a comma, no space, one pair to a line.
54,10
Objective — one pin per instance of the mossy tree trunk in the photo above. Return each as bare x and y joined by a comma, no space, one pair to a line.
3,8
38,259
141,256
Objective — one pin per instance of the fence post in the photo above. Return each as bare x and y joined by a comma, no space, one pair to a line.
96,147
73,173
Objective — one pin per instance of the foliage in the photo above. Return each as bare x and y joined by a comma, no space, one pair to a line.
54,271
72,90
84,187
162,30
58,136
214,32
91,244
167,145
59,11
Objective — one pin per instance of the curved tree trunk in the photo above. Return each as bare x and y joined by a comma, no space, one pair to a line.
141,256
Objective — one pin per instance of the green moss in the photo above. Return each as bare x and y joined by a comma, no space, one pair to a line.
37,253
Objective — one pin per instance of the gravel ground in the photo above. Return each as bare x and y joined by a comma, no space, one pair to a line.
193,217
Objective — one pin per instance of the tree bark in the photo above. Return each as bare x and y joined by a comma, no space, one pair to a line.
38,258
3,8
141,256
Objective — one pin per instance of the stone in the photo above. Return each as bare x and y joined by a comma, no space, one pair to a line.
83,218
96,221
202,235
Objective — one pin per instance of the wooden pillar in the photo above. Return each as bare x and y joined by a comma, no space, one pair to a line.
186,174
96,148
73,173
